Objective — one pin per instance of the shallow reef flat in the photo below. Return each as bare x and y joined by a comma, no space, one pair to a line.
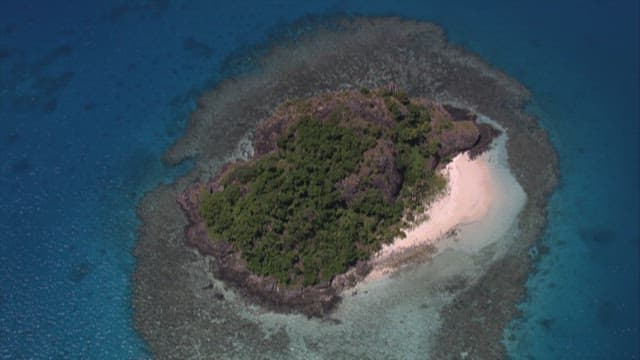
183,311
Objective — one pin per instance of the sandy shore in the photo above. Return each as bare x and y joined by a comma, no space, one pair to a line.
475,197
470,192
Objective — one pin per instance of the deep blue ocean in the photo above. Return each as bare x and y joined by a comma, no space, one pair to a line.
92,93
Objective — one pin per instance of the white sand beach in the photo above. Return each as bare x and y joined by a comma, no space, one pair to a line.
478,206
470,192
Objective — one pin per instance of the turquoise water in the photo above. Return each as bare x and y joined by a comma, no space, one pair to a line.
90,96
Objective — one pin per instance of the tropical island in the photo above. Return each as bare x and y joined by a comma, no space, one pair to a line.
456,301
332,179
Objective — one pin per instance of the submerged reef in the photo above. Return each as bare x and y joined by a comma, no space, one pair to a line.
183,310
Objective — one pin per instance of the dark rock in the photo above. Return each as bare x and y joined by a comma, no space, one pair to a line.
460,137
380,167
459,114
487,134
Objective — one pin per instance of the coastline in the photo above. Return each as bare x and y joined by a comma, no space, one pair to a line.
175,318
475,210
480,205
469,194
458,132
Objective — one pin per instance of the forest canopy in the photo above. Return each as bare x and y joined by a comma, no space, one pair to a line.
339,183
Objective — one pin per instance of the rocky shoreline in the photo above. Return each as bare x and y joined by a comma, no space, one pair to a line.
179,304
313,301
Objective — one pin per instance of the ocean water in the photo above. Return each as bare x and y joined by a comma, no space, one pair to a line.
92,94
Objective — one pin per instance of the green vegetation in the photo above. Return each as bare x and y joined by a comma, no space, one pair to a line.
285,214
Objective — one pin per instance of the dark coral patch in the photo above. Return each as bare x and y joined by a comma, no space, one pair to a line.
23,103
50,106
197,48
50,85
546,323
80,271
126,8
21,166
53,55
89,105
606,313
600,236
12,138
5,53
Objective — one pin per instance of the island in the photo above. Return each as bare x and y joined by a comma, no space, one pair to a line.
332,179
454,295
